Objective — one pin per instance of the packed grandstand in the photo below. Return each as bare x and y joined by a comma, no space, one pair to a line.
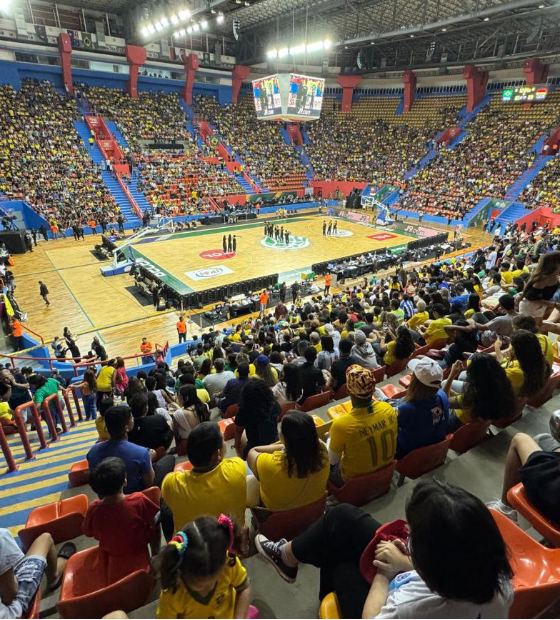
370,431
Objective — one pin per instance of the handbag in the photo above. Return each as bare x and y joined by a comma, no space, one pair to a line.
394,530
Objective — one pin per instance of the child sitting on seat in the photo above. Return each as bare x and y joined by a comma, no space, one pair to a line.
201,575
106,404
136,515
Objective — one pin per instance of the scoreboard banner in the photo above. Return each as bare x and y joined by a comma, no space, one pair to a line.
305,95
266,93
288,97
523,94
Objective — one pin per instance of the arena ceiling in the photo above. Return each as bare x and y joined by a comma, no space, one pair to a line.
370,35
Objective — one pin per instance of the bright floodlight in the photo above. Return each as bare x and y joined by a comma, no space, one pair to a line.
174,19
220,18
327,44
196,27
184,14
204,24
283,52
150,28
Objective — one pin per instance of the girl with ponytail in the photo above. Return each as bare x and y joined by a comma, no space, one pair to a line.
201,575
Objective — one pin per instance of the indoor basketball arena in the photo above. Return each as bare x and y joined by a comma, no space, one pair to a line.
280,309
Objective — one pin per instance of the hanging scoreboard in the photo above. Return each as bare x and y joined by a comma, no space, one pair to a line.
289,97
524,94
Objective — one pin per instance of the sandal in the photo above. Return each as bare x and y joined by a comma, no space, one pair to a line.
67,550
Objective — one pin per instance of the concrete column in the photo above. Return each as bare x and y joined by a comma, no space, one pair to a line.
190,62
348,83
476,85
65,49
136,57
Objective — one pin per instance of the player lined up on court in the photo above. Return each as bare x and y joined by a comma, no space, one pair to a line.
331,228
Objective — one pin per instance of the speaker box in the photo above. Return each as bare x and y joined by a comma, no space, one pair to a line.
14,240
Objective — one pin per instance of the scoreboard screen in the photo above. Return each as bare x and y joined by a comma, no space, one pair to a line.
288,97
266,93
522,94
305,96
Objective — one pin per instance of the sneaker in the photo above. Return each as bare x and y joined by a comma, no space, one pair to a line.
59,429
499,506
271,551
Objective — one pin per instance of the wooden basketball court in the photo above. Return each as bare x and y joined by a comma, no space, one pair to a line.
195,261
90,304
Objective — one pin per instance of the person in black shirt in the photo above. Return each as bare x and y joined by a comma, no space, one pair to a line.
338,368
256,421
151,432
311,378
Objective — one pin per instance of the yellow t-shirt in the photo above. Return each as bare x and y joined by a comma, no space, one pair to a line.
464,414
436,331
280,492
203,395
366,438
252,371
515,376
516,273
219,603
507,277
546,346
389,356
5,411
418,319
190,495
104,379
102,428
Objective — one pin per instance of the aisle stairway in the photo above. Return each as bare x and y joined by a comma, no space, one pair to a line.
244,184
517,188
132,220
512,213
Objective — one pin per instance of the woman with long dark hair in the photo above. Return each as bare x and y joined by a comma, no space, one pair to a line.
293,472
400,348
288,389
255,423
539,290
192,412
326,355
487,392
526,368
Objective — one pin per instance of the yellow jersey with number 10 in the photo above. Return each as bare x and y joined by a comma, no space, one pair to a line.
366,438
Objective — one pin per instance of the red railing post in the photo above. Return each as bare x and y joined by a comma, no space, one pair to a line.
23,433
69,408
7,451
37,420
74,391
50,421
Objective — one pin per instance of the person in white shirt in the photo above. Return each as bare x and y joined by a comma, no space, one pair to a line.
216,382
454,564
20,575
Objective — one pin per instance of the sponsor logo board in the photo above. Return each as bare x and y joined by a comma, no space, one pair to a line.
210,272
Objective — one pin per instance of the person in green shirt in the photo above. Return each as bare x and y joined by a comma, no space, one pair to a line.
44,388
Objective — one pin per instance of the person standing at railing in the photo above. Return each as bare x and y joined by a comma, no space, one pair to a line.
182,329
17,333
146,349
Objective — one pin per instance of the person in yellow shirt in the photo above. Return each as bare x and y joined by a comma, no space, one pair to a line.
365,439
201,575
526,368
527,322
436,329
215,484
420,317
292,473
507,275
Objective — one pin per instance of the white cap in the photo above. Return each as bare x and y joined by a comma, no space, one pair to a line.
427,371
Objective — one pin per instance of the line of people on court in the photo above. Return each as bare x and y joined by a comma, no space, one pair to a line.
331,228
229,244
277,233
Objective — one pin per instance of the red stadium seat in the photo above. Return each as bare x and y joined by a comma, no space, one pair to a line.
95,584
184,466
363,489
392,391
289,523
78,474
405,381
62,520
422,460
341,393
231,411
517,497
547,392
516,415
227,427
316,401
536,571
35,608
153,494
293,406
396,367
469,435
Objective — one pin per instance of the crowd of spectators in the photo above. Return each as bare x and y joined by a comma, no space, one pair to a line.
486,163
370,145
258,143
43,160
544,189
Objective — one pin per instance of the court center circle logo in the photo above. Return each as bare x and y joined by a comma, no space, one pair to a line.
341,233
296,243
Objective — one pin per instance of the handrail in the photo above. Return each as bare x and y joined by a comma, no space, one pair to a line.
50,421
35,334
130,197
5,446
37,421
73,389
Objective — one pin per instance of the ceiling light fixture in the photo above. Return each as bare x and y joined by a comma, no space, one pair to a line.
412,36
145,32
189,30
220,18
174,19
164,22
282,53
486,19
444,29
204,24
150,28
196,27
184,14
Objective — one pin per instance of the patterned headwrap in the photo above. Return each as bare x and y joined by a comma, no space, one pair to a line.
360,382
